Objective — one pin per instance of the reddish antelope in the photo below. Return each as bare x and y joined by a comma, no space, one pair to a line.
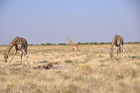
74,46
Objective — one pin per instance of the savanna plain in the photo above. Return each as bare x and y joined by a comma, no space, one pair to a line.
90,70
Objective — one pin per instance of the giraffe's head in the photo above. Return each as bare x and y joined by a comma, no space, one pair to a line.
118,41
5,57
19,45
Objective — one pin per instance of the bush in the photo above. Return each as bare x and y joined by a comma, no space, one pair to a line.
68,61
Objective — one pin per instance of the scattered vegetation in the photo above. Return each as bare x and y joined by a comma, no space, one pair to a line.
47,44
62,44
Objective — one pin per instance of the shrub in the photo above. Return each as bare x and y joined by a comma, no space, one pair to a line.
68,61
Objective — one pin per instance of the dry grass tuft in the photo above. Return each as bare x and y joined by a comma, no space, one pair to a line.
85,69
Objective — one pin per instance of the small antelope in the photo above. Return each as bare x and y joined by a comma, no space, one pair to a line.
74,46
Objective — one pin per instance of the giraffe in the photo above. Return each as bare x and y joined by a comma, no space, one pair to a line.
74,46
20,44
117,43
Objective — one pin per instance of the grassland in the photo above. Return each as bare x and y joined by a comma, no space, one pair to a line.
89,70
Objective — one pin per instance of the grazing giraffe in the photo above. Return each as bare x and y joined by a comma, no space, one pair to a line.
20,44
74,46
117,43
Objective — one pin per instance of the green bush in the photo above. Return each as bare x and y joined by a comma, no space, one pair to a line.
68,61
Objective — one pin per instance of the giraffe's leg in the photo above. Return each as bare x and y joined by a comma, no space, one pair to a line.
122,51
125,54
73,49
12,58
117,50
25,54
21,55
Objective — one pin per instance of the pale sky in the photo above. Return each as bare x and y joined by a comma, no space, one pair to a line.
42,21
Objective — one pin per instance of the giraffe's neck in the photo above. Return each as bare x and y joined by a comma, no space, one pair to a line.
10,46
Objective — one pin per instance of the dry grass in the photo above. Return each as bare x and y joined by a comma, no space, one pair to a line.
89,70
